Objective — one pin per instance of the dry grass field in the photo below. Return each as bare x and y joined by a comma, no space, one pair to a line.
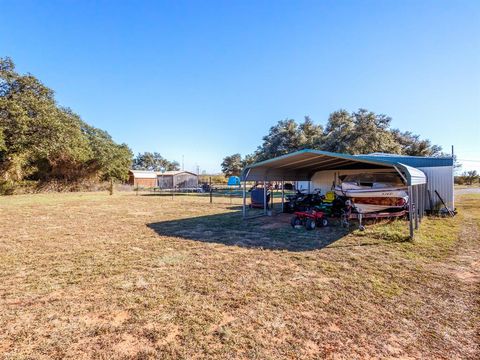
92,276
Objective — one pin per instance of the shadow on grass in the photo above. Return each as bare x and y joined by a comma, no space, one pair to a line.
273,233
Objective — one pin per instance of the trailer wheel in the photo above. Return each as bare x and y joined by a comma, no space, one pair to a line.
295,221
323,222
310,224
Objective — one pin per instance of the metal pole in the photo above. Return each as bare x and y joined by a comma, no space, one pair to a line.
244,193
416,206
283,195
210,186
410,212
422,201
272,193
264,197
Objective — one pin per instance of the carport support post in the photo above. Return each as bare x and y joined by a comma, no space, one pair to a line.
410,211
422,199
416,206
244,193
272,193
283,194
264,197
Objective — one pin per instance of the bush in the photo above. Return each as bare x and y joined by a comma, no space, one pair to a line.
7,187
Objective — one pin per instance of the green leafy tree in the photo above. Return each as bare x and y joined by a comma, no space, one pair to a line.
248,160
232,165
282,139
310,134
470,176
338,132
41,141
360,132
109,160
411,144
371,133
154,161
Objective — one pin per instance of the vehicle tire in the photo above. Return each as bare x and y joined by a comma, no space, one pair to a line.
323,222
310,224
295,221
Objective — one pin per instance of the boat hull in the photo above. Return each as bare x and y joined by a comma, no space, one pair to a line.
381,193
375,200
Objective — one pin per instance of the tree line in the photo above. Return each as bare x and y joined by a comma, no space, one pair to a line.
468,178
359,132
42,142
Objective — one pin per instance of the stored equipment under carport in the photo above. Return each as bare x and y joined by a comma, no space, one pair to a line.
257,198
310,219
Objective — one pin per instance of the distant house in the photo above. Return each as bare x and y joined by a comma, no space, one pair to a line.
165,180
142,178
177,180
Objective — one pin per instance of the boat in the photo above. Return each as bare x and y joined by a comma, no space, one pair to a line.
373,192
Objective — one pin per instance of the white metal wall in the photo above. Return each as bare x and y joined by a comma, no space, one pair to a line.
440,178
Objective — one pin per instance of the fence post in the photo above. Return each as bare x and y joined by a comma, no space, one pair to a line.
210,186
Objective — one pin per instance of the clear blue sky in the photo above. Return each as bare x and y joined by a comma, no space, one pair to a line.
205,79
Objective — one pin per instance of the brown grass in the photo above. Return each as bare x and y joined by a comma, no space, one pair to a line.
92,276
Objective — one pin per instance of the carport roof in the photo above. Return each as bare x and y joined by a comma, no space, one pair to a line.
301,165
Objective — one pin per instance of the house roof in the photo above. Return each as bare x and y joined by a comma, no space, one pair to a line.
144,174
301,165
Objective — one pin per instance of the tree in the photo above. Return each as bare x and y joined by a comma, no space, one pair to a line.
311,135
41,141
109,160
232,165
282,139
249,160
470,176
411,144
372,134
154,161
360,132
338,132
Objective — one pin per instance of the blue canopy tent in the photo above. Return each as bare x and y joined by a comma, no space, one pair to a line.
233,181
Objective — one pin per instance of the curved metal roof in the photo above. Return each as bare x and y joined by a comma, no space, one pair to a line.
301,165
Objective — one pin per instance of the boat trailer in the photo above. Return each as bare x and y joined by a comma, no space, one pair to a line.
380,215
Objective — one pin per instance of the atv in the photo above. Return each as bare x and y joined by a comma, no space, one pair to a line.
310,219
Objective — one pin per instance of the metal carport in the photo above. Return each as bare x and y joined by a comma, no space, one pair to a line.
302,165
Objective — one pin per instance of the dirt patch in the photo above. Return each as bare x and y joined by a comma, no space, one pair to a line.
132,346
120,317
